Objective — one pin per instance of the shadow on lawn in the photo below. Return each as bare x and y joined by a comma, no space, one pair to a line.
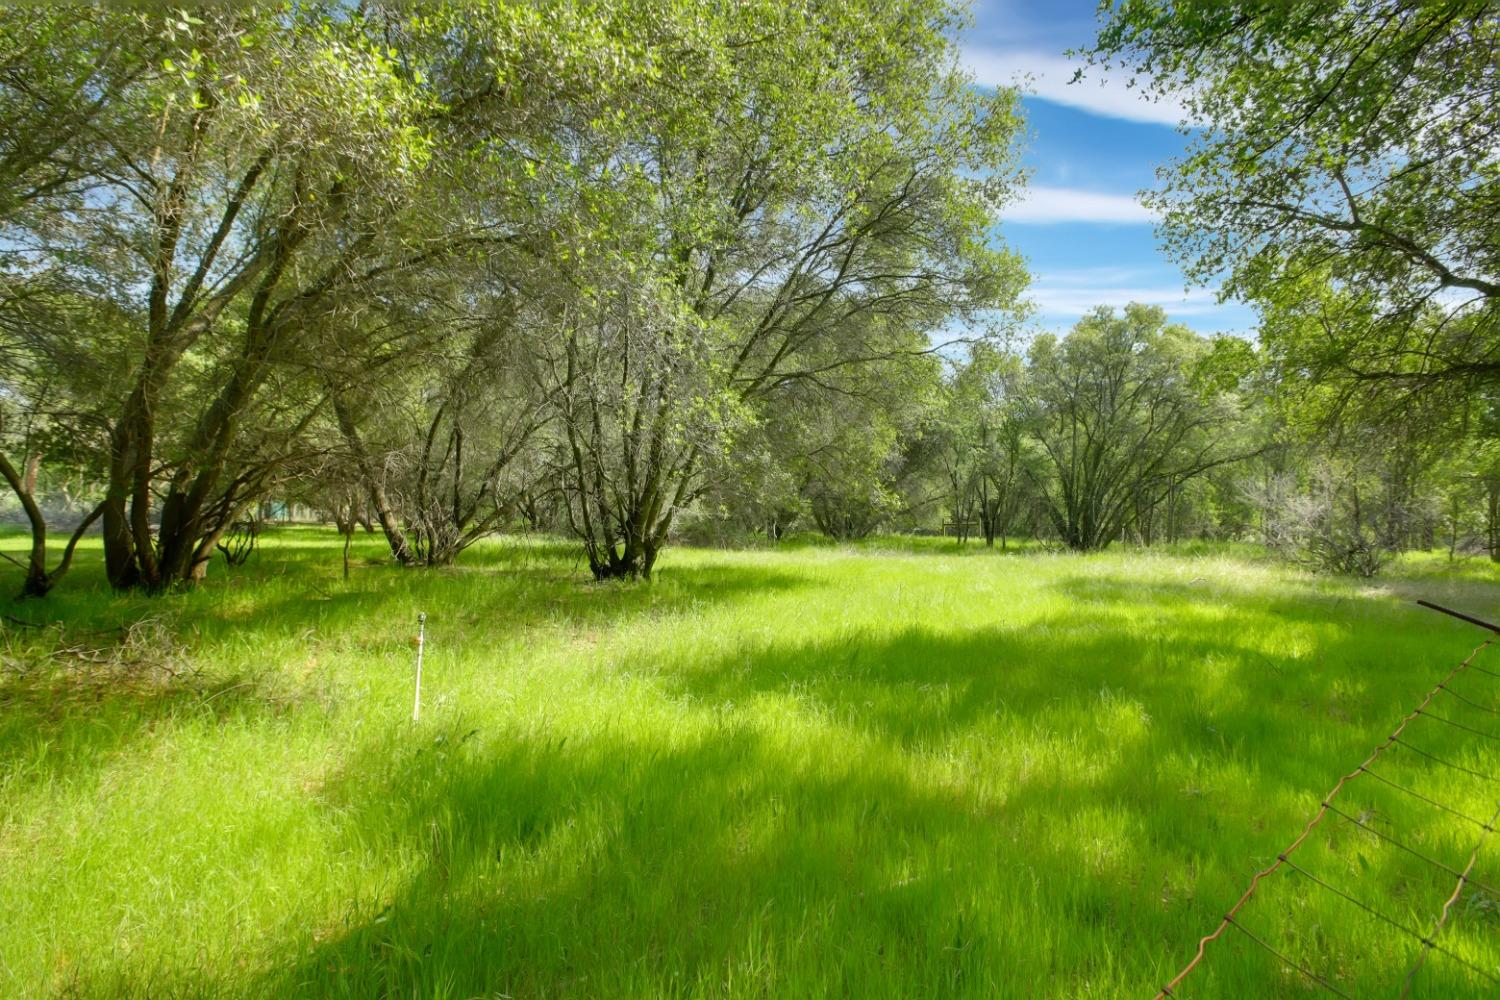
489,604
1152,641
69,701
1057,807
726,860
611,867
62,722
293,587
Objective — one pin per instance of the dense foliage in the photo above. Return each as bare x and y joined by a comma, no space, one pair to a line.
663,269
1345,175
470,257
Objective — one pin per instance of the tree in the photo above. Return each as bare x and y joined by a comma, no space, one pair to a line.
208,196
61,69
1347,173
54,403
277,171
850,456
956,433
984,446
1347,483
1121,412
550,258
820,218
39,579
1474,481
435,426
1489,480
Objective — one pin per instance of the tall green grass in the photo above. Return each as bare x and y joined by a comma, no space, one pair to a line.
889,770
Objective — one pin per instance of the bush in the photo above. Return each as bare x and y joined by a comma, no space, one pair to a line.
1338,520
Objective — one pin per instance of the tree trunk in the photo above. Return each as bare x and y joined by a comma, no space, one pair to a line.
129,470
1492,518
374,484
38,581
630,561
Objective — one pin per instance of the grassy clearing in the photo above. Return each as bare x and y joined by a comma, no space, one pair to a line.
883,771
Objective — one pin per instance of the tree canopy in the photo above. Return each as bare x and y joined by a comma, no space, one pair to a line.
659,269
1345,175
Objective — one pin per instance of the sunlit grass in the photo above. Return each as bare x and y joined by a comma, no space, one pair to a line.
887,770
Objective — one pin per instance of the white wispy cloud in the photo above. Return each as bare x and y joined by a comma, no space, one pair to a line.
1044,205
1062,301
1049,76
1069,293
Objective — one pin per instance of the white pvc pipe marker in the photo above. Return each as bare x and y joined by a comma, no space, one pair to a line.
416,705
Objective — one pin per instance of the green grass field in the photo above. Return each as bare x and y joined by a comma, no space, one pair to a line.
893,770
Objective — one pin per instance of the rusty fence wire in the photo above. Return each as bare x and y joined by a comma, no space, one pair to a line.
1429,941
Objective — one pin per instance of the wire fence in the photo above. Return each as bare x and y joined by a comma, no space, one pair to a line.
1429,942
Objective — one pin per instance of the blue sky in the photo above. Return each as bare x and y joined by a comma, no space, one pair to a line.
1093,146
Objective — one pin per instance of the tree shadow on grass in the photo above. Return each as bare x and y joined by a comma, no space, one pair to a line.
66,721
1153,641
1056,807
722,866
497,591
484,607
77,703
611,867
74,714
1042,810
